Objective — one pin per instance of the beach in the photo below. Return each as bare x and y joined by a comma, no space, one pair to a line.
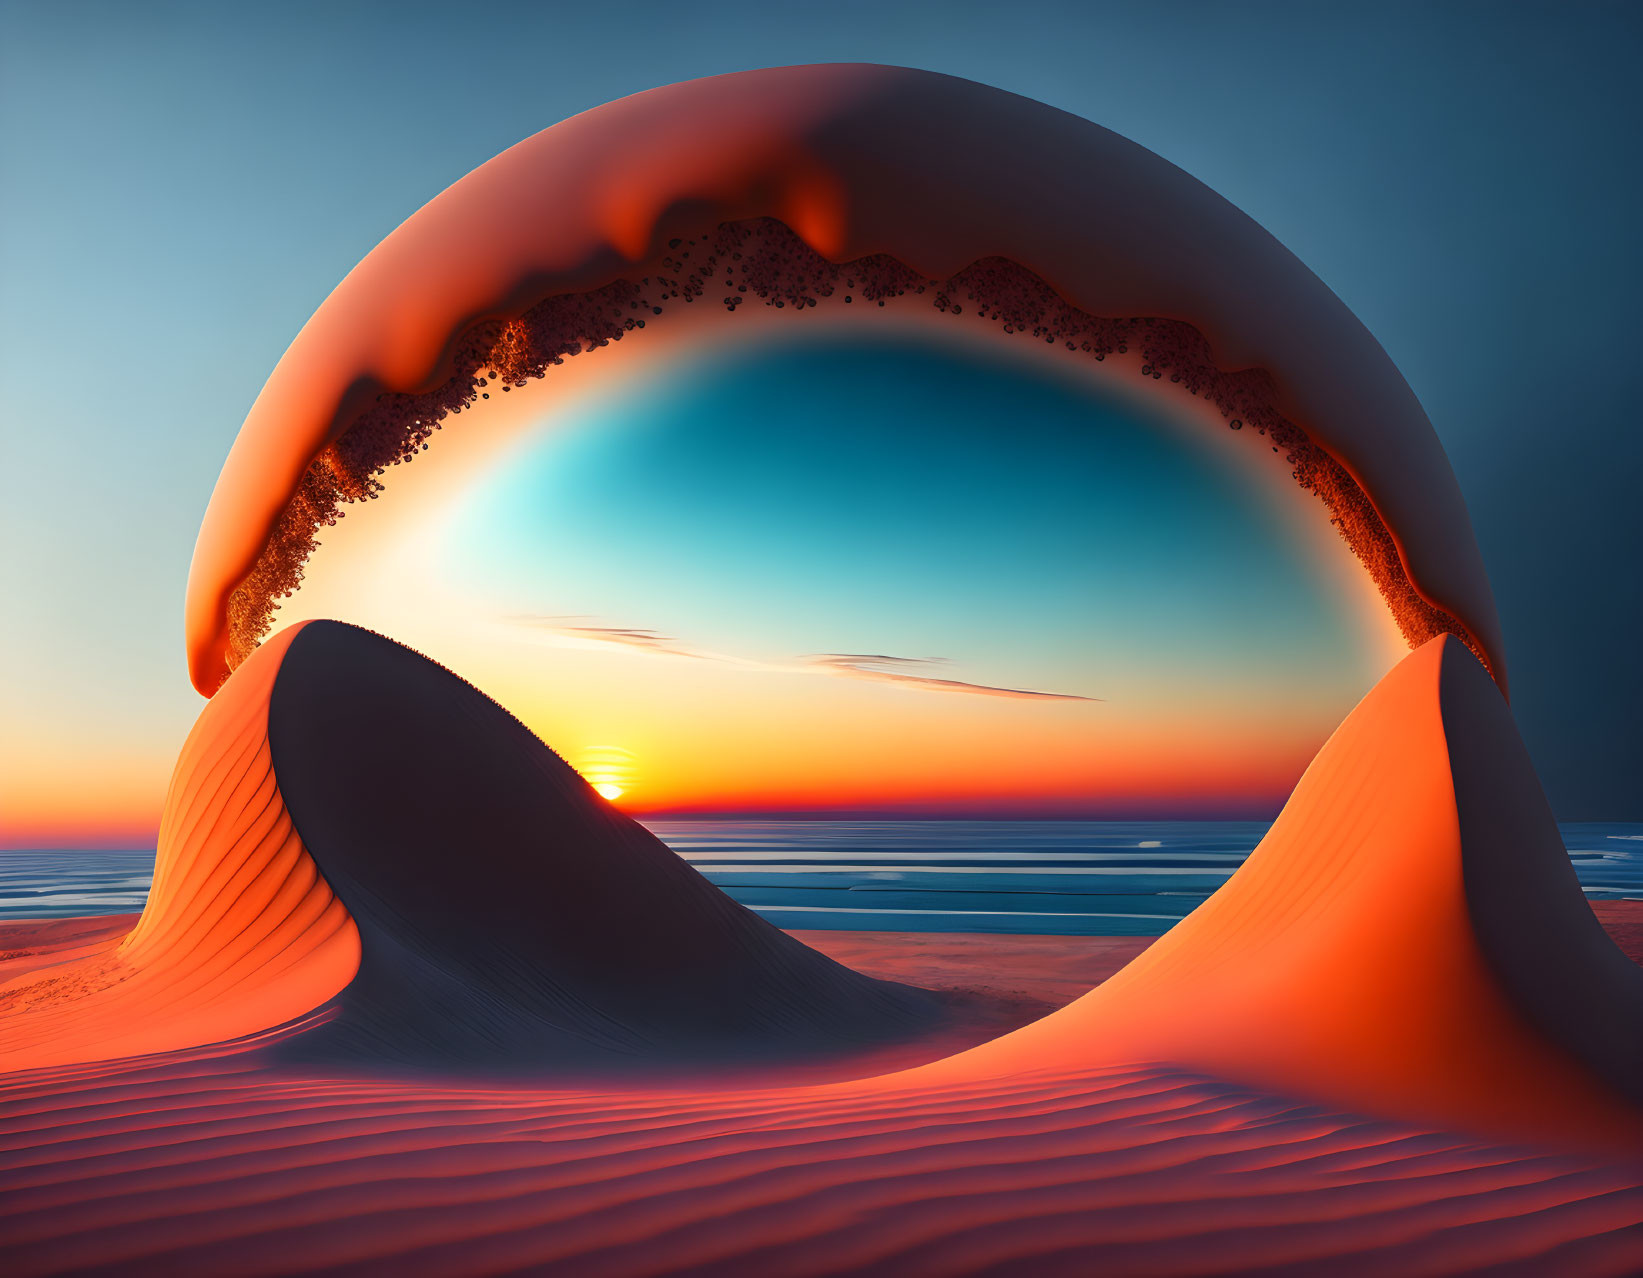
205,1161
496,1025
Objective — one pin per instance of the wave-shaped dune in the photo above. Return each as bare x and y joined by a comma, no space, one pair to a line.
354,829
351,825
880,168
1409,939
510,915
367,867
240,932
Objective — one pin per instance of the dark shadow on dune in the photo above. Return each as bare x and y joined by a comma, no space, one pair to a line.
1556,963
510,917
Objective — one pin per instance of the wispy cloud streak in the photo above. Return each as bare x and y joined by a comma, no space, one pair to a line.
617,636
907,672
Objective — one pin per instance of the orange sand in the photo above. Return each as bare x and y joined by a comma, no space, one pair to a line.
1345,1060
240,932
1343,960
205,1163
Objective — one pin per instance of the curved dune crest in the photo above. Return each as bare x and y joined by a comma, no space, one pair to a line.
510,916
1405,941
935,172
351,825
240,932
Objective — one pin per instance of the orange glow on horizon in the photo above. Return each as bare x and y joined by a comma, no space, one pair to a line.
710,737
132,830
85,799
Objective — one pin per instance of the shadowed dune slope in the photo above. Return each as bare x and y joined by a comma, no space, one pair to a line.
511,917
240,932
1532,920
1408,940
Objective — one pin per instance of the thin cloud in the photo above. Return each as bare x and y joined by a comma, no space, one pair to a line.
908,672
905,671
617,636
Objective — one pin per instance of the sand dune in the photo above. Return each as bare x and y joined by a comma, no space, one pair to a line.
350,819
854,160
1396,1041
1408,939
509,914
240,932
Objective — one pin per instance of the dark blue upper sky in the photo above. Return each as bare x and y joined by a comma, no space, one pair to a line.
180,186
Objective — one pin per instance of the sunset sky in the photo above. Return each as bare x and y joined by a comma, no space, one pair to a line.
847,571
172,210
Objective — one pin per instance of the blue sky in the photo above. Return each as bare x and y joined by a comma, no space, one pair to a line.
830,494
899,570
180,186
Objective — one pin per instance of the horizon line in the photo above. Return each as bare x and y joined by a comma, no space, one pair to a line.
150,845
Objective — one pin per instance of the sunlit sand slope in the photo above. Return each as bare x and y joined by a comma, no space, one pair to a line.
510,916
1407,940
1395,1042
240,932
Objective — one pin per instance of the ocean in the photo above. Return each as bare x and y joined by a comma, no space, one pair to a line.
1089,878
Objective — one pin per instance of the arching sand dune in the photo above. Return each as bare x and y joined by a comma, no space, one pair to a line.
1409,940
240,932
855,161
493,909
511,916
352,826
1293,1079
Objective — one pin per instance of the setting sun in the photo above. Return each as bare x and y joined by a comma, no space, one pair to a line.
608,769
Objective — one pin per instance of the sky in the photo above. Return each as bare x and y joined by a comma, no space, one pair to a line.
180,186
827,569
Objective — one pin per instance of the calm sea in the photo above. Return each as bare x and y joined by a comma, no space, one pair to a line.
1072,877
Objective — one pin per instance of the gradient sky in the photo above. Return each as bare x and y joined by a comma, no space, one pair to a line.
180,186
826,570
